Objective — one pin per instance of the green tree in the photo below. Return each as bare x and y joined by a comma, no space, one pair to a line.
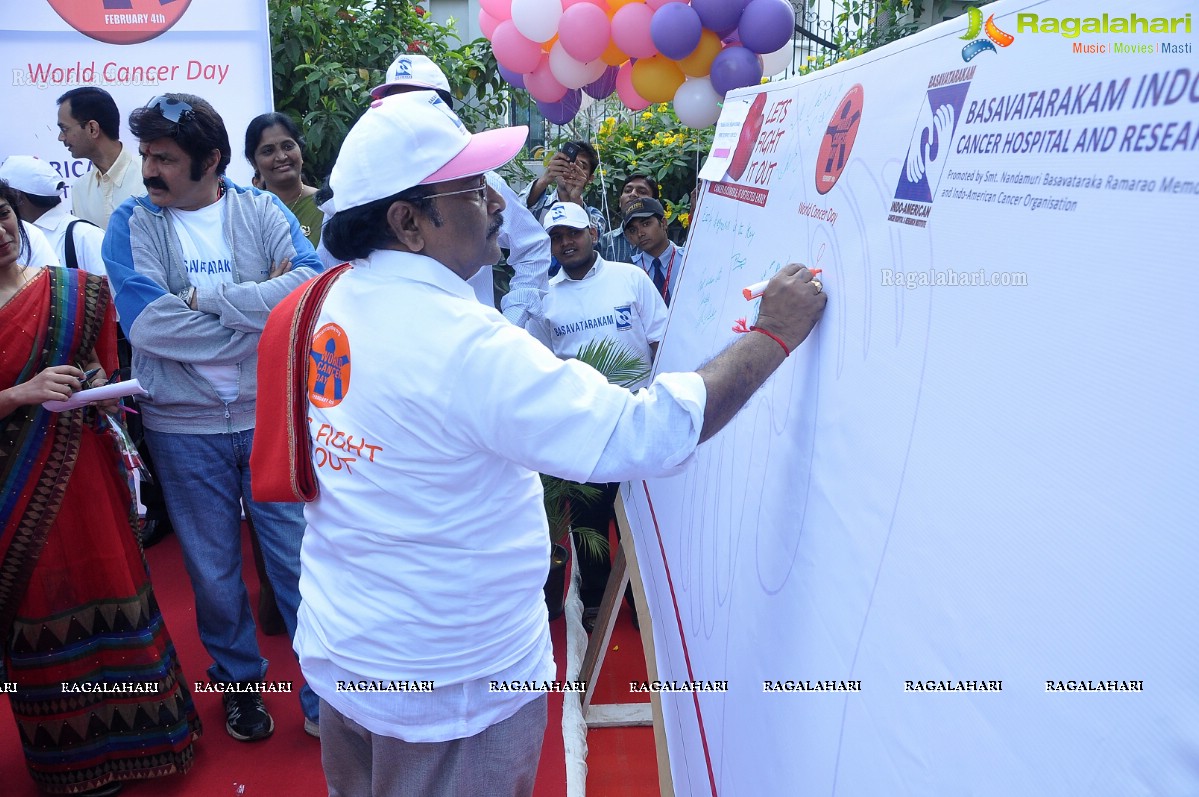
328,54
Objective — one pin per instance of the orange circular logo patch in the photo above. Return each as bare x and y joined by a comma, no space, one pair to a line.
329,366
838,140
120,21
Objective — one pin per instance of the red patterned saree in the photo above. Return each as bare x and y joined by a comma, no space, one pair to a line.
100,694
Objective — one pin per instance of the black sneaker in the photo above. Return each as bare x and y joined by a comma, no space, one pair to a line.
246,717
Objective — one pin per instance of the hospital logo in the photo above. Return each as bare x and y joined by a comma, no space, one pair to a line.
928,146
329,367
838,140
982,37
624,317
120,21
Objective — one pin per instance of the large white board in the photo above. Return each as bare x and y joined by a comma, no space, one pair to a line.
953,482
135,50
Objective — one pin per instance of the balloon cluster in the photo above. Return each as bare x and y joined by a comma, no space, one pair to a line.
648,51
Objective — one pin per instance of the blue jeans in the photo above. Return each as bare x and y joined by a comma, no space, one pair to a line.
205,478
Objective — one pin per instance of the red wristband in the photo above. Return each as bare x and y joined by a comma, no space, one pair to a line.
774,337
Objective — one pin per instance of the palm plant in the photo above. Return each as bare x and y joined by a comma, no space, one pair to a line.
562,496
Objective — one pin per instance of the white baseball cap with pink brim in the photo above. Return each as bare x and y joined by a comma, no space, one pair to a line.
412,139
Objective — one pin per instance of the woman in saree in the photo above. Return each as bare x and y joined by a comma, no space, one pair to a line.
275,148
99,695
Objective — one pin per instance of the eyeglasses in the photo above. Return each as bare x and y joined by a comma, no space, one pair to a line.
480,190
172,110
62,130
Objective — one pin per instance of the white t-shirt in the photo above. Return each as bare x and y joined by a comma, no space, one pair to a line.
88,239
40,252
613,300
427,549
208,262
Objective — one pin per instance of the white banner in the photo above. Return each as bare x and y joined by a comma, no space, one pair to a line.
216,50
951,546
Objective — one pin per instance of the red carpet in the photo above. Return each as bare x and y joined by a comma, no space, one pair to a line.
620,762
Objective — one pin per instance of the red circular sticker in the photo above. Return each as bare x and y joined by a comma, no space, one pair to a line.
329,366
134,21
838,140
750,130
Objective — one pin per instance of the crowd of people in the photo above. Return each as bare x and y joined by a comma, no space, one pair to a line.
401,418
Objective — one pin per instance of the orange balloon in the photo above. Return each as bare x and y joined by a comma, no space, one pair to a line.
616,5
657,78
614,56
699,63
549,45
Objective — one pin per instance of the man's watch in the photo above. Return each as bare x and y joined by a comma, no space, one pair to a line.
187,294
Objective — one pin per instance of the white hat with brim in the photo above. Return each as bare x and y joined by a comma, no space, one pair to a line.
414,71
566,214
31,175
412,139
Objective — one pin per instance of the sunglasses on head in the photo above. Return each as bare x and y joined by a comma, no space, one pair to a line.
172,110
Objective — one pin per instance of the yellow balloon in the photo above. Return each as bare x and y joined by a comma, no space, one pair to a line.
657,78
549,45
699,63
614,56
616,5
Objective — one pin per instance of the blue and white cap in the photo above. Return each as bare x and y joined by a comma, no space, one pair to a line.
414,72
566,214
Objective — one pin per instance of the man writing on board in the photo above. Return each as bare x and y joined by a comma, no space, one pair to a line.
427,545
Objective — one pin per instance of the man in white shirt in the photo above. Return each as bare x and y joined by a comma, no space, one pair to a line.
427,546
591,300
76,242
89,125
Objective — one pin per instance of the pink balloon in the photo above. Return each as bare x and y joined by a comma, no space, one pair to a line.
656,4
487,24
625,91
500,9
542,84
630,30
584,31
513,50
568,3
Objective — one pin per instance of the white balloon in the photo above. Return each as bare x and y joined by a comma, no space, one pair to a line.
537,20
777,61
697,103
571,73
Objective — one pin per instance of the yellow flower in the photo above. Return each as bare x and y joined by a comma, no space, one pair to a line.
627,139
640,145
685,219
647,115
610,121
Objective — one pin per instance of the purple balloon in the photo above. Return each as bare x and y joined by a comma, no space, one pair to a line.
766,25
675,29
719,16
734,67
604,85
563,110
514,78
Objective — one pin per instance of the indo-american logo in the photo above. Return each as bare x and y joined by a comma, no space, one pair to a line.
929,146
120,21
982,37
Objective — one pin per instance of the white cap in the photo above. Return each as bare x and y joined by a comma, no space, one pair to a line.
414,139
31,175
566,214
415,71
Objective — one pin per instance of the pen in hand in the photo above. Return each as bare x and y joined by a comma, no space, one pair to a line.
86,381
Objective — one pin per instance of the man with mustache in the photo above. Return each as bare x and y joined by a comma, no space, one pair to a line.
423,626
196,266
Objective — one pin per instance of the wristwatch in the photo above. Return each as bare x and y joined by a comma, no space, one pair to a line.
187,294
